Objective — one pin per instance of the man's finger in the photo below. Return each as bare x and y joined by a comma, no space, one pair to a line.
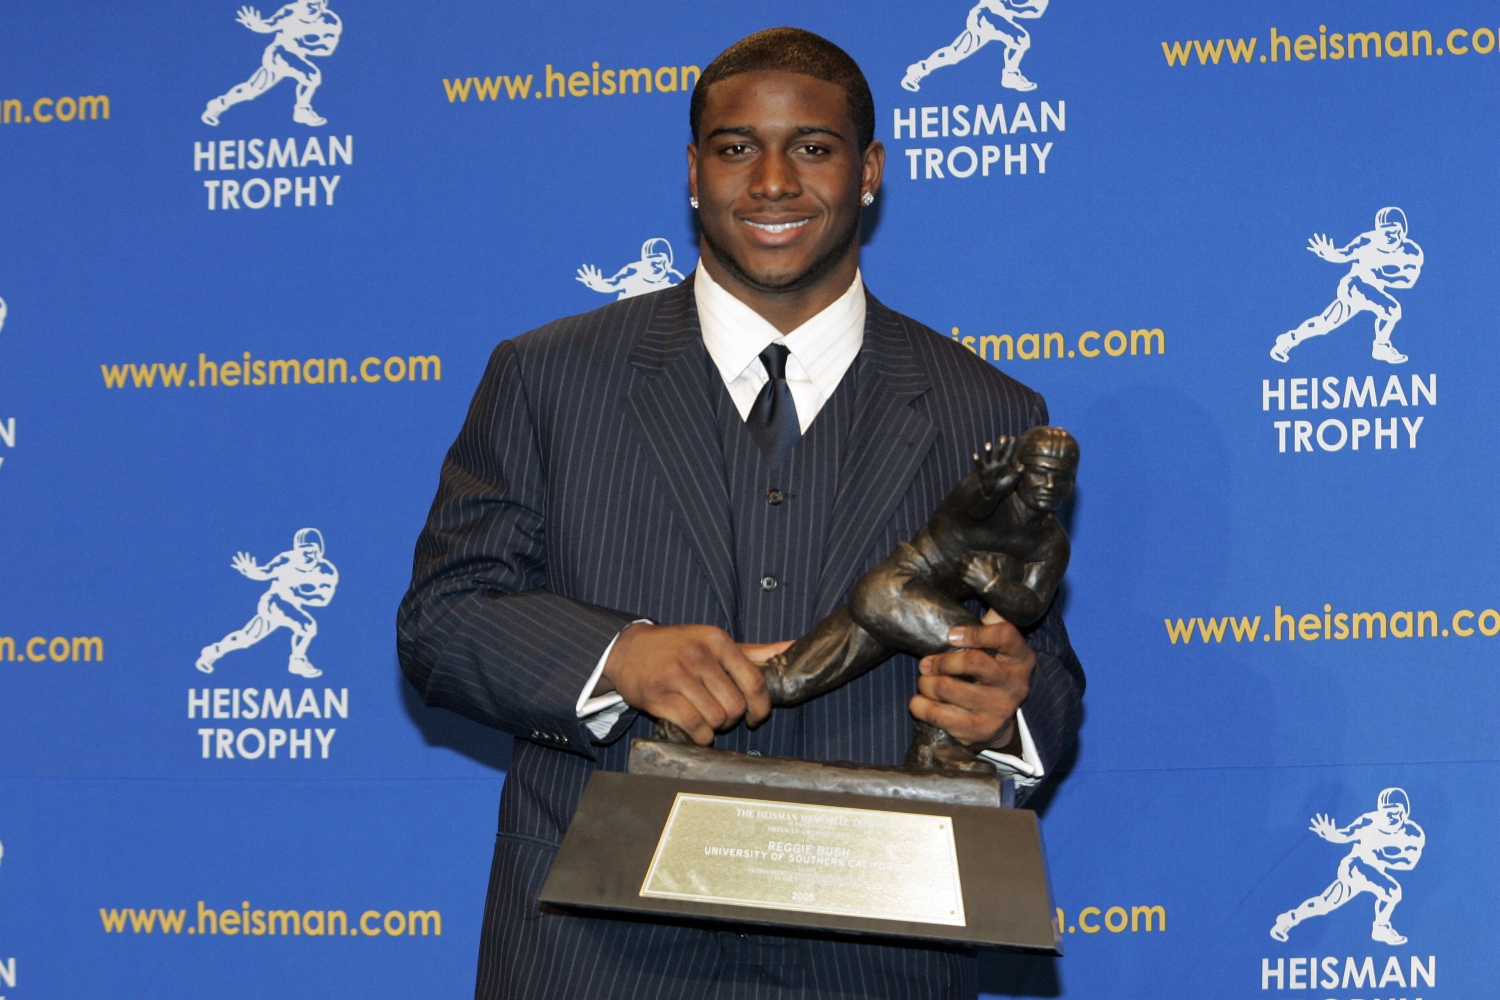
1004,639
965,695
957,723
713,694
750,681
992,632
974,663
730,702
760,652
678,710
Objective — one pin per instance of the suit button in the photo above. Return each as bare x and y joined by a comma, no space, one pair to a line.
768,582
775,497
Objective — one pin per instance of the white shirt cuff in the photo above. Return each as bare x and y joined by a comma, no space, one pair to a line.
602,712
1026,769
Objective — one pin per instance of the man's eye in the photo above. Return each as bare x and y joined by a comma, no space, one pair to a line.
738,149
811,150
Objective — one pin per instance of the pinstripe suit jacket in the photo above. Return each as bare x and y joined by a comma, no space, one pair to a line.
587,489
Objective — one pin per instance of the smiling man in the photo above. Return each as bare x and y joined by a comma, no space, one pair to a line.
648,500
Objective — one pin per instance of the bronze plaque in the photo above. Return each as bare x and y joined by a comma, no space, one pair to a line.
835,860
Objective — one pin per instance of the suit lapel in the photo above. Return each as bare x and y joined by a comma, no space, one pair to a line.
889,442
672,413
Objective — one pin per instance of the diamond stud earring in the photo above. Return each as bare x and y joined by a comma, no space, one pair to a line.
693,202
867,199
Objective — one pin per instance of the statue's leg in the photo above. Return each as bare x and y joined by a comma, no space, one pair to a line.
836,651
892,607
897,603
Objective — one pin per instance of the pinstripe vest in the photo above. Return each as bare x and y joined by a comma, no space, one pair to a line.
780,518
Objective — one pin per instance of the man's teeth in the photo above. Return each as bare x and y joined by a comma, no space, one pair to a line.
777,227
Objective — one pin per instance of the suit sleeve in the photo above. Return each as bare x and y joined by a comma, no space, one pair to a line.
1054,708
478,632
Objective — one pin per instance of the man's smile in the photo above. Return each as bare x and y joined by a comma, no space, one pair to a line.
777,227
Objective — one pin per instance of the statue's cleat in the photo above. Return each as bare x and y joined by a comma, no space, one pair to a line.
302,668
912,81
1386,934
205,662
1282,925
1015,81
1386,352
209,118
307,116
934,750
1284,343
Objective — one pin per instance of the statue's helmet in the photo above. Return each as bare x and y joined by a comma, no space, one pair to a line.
1391,217
657,247
1395,797
309,536
1048,440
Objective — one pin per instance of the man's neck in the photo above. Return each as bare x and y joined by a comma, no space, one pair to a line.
786,311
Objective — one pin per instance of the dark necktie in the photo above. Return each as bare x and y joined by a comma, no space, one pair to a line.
773,416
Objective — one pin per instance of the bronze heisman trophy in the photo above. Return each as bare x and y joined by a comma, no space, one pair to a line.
994,538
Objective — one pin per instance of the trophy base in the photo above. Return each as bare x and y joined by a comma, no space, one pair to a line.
789,846
691,762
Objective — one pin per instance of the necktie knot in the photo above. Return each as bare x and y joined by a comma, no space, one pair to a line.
774,358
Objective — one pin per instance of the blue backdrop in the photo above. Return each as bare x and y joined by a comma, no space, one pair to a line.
1282,613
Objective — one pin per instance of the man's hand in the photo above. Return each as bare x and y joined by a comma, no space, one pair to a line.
694,676
971,693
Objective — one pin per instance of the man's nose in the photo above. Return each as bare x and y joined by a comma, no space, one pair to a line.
775,178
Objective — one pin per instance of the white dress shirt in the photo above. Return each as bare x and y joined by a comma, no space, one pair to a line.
820,352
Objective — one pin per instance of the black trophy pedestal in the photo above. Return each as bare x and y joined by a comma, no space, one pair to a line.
792,845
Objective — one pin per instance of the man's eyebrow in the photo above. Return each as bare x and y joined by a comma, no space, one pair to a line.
799,130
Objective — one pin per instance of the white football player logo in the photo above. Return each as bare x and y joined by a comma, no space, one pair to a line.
988,21
1385,841
1380,261
300,578
304,30
652,272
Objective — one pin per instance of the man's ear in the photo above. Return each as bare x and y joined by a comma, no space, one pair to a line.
873,167
692,169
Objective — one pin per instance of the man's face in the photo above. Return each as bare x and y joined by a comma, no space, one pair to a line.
778,175
1393,234
1046,483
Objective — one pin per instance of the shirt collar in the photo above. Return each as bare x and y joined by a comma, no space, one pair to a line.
824,346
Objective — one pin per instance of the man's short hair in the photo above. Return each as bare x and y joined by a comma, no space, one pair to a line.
791,50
